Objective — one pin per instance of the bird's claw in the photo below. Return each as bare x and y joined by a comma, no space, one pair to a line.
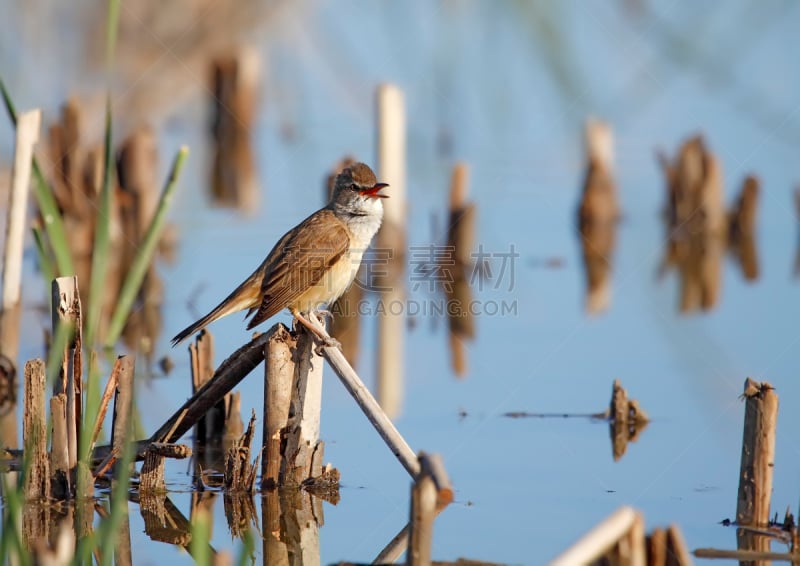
327,343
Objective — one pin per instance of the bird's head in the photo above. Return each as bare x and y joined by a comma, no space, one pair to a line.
356,191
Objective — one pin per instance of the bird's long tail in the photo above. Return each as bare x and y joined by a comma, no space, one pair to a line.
245,296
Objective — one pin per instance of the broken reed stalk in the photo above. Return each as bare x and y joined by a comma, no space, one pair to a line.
201,357
303,455
429,488
391,150
278,375
758,453
59,448
26,137
292,406
34,433
53,223
431,465
151,478
123,403
235,368
239,473
602,538
108,392
66,314
382,423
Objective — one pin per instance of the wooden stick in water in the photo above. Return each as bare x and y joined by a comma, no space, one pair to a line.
758,453
594,544
111,385
27,135
34,432
366,401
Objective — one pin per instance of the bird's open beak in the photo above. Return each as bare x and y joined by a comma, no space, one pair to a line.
372,192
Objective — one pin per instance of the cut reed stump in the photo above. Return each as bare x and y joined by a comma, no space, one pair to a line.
292,404
621,536
35,512
151,478
304,449
212,427
240,474
67,319
758,453
430,486
235,368
34,433
123,402
626,418
278,375
666,547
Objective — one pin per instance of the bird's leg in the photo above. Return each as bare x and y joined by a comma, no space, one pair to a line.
327,341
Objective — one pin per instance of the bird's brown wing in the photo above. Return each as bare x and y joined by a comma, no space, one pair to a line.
299,261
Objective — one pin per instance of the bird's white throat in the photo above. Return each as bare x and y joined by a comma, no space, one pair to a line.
363,216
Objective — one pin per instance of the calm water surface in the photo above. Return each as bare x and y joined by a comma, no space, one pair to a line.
480,88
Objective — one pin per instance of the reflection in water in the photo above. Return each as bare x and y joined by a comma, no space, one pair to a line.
460,243
597,215
742,228
291,521
698,228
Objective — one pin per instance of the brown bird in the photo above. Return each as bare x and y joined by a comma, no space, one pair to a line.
314,262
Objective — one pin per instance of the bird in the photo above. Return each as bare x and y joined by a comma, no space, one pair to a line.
315,262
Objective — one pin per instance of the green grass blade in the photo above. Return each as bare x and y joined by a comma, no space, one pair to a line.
144,255
46,265
112,25
11,538
201,538
53,223
101,238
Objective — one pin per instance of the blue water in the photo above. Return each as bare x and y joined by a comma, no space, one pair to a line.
482,77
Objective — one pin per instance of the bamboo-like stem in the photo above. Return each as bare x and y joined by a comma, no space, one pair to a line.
53,223
34,427
382,423
27,136
599,540
278,373
758,453
391,162
111,385
123,402
145,254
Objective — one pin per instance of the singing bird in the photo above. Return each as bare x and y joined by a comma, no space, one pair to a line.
314,262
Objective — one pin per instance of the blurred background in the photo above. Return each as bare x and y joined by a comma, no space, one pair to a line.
505,88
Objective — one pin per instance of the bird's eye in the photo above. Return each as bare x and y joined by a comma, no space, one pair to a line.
353,187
